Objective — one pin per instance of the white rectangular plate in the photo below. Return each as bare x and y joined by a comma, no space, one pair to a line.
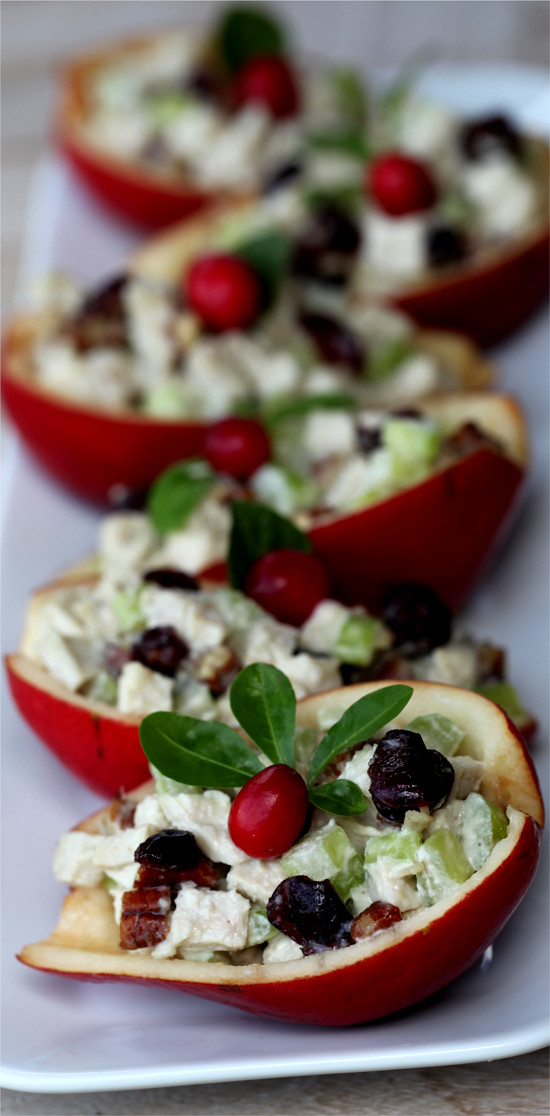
63,1036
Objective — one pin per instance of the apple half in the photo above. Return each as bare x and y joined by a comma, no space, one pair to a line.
151,200
90,450
387,972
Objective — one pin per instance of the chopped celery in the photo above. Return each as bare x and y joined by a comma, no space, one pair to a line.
165,785
506,696
166,399
445,866
237,611
386,357
394,846
438,732
357,640
413,441
164,106
283,489
482,825
259,927
109,884
127,609
103,688
326,853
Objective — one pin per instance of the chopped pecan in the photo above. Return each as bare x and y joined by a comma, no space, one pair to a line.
122,811
491,663
468,438
144,917
376,917
217,668
101,319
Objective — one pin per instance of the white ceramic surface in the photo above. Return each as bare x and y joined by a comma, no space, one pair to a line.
62,1036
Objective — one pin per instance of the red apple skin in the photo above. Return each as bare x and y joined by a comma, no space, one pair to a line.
102,751
382,975
395,978
486,301
438,533
89,451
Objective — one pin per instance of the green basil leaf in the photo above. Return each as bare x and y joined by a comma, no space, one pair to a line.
345,197
201,753
349,143
340,797
264,703
177,492
386,357
282,409
359,722
350,94
244,33
257,530
268,254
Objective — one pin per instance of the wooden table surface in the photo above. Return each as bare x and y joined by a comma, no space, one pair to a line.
36,37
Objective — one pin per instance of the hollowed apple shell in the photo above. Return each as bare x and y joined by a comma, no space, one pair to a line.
91,450
140,196
388,972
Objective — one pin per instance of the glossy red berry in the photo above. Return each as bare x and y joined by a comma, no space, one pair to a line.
269,812
400,185
288,584
270,82
236,446
224,291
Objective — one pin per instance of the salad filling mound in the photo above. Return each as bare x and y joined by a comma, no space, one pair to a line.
395,823
142,633
136,344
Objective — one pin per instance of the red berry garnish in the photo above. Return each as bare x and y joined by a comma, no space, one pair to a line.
269,81
236,446
224,291
269,812
288,584
400,185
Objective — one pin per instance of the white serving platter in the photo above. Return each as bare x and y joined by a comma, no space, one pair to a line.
63,1036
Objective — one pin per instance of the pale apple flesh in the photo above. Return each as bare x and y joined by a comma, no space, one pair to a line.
388,972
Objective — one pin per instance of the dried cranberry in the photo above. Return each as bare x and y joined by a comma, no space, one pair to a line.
405,775
311,913
281,175
352,675
378,916
160,649
101,319
205,83
417,617
169,848
491,134
335,342
445,246
123,498
169,578
326,246
369,439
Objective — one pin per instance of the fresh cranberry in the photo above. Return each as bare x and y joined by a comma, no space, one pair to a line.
224,291
400,185
269,812
288,584
269,81
237,446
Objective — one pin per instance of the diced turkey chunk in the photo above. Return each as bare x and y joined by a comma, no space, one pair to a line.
468,776
74,859
257,879
211,919
206,817
125,539
201,543
143,691
196,622
280,949
357,768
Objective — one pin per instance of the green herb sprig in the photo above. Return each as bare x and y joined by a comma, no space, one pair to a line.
209,754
